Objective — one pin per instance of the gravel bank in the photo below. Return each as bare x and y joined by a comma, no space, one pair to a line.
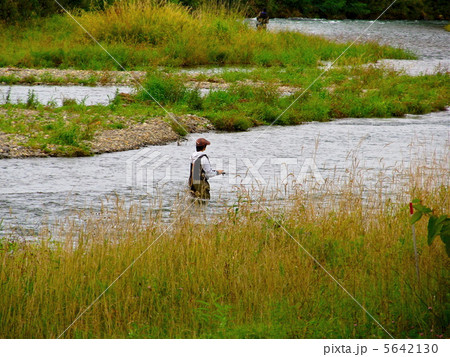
52,76
70,76
154,131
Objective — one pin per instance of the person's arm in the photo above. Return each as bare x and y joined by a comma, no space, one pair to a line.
209,172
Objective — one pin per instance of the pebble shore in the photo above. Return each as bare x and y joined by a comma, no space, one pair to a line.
154,131
71,76
52,76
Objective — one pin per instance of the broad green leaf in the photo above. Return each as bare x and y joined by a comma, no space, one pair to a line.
421,208
434,228
416,216
446,226
445,235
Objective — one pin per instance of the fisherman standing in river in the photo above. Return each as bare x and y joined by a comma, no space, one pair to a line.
201,171
262,20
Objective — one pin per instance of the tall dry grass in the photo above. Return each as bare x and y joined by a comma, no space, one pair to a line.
213,33
177,33
239,275
143,34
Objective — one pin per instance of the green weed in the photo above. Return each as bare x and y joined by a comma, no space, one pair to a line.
11,79
162,88
193,100
32,100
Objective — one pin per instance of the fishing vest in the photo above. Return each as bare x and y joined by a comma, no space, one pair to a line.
263,18
197,174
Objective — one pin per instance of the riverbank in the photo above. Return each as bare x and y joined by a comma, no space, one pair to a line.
67,133
211,78
198,78
56,76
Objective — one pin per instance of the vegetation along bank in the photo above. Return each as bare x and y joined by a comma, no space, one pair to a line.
276,67
237,102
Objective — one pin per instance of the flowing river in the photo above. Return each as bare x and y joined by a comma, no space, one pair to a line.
40,190
427,39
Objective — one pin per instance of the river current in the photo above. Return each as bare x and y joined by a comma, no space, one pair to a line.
39,190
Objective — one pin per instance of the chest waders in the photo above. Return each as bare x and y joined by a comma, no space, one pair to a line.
262,21
198,183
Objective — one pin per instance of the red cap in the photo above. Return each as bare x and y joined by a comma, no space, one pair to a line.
202,142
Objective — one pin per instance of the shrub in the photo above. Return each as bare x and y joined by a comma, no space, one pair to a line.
194,100
221,99
163,88
231,121
266,114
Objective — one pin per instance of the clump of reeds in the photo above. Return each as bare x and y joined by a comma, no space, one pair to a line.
242,274
213,33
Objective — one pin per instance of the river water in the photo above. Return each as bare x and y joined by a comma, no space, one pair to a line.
40,190
427,39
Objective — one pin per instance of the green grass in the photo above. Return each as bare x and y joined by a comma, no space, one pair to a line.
143,35
239,275
344,92
54,131
162,88
11,79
